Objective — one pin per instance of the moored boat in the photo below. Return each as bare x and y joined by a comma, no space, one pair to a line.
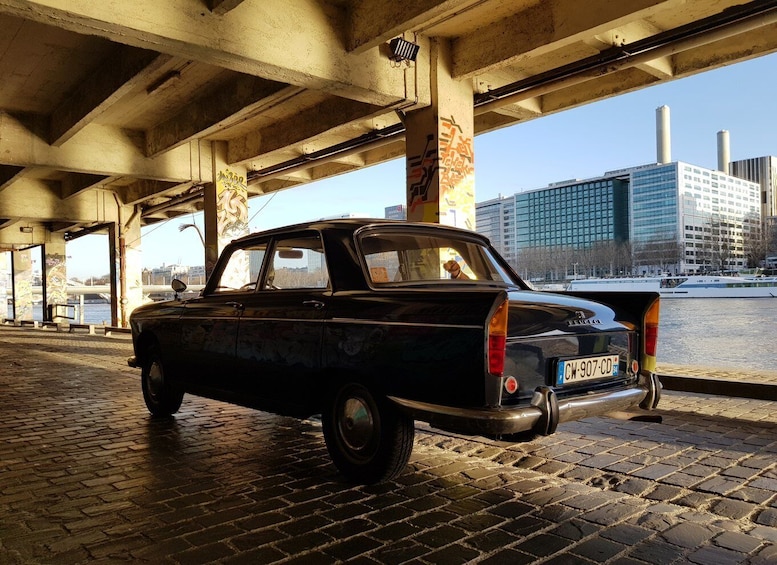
685,286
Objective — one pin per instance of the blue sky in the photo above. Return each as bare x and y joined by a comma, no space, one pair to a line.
580,143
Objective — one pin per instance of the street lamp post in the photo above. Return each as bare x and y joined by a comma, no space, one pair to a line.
184,226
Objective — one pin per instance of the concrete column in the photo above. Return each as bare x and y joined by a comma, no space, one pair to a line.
225,207
126,266
132,296
440,150
22,285
54,277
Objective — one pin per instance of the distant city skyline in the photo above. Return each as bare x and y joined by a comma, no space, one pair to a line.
580,143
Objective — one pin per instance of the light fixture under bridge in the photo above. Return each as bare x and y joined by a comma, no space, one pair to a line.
403,50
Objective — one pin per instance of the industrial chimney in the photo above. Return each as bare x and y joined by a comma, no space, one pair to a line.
724,151
663,138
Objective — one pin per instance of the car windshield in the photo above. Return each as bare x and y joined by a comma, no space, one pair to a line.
394,257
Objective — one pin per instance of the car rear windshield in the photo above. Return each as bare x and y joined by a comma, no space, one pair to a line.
394,258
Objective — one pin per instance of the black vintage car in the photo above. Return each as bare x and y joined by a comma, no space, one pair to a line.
373,324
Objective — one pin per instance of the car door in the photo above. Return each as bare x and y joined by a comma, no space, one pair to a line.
279,338
209,323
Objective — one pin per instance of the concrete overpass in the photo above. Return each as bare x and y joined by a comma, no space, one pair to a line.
115,115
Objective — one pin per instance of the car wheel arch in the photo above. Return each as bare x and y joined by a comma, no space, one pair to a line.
144,344
368,438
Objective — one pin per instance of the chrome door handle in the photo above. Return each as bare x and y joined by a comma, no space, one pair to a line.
317,304
235,305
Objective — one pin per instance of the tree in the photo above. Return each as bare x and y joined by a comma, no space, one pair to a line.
659,254
558,263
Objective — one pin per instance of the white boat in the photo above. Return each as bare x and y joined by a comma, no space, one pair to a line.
690,286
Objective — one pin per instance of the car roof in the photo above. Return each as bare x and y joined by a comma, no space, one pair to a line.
354,224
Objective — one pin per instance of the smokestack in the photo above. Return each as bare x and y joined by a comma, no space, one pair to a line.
663,137
724,151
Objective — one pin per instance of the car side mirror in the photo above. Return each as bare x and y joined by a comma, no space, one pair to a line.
178,287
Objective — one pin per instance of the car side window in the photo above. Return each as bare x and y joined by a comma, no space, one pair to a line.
242,269
297,262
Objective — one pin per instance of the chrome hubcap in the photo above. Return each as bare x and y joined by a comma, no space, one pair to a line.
155,379
356,424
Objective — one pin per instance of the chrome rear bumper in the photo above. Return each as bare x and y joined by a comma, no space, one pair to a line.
544,413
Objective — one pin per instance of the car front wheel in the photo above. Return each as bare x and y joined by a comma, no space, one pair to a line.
367,437
162,398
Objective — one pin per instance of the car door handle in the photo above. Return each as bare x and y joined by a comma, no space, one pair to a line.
317,304
235,305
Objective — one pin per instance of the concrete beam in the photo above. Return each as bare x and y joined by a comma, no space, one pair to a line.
625,80
232,103
299,43
11,236
122,72
373,22
544,27
37,201
661,67
75,183
305,125
223,6
8,174
523,110
98,150
143,189
716,54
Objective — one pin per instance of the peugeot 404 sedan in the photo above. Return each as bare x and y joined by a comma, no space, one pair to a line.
374,324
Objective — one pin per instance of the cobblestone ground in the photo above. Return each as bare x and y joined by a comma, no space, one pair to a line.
88,477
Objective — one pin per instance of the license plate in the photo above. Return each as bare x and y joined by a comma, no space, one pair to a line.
570,371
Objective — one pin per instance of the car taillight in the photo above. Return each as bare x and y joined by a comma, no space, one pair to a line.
497,340
650,337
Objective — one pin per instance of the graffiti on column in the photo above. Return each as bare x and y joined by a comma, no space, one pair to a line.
422,172
232,218
22,285
231,204
56,279
441,179
457,175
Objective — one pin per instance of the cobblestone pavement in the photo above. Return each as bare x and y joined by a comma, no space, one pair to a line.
89,477
729,374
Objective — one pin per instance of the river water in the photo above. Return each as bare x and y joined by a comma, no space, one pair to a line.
736,333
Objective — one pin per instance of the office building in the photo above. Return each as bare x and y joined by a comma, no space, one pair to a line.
677,217
570,214
674,216
398,212
689,219
762,170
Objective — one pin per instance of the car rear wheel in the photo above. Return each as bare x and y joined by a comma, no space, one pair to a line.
162,398
369,440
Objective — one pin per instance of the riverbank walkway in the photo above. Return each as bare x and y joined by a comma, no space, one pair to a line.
89,477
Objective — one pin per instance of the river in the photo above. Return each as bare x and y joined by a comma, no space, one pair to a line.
736,333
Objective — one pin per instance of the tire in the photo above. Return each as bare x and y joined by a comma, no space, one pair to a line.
367,437
162,398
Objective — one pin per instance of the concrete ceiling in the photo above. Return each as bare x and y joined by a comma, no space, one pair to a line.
116,103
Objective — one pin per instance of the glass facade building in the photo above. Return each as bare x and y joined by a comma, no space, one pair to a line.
571,214
574,215
678,217
688,219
